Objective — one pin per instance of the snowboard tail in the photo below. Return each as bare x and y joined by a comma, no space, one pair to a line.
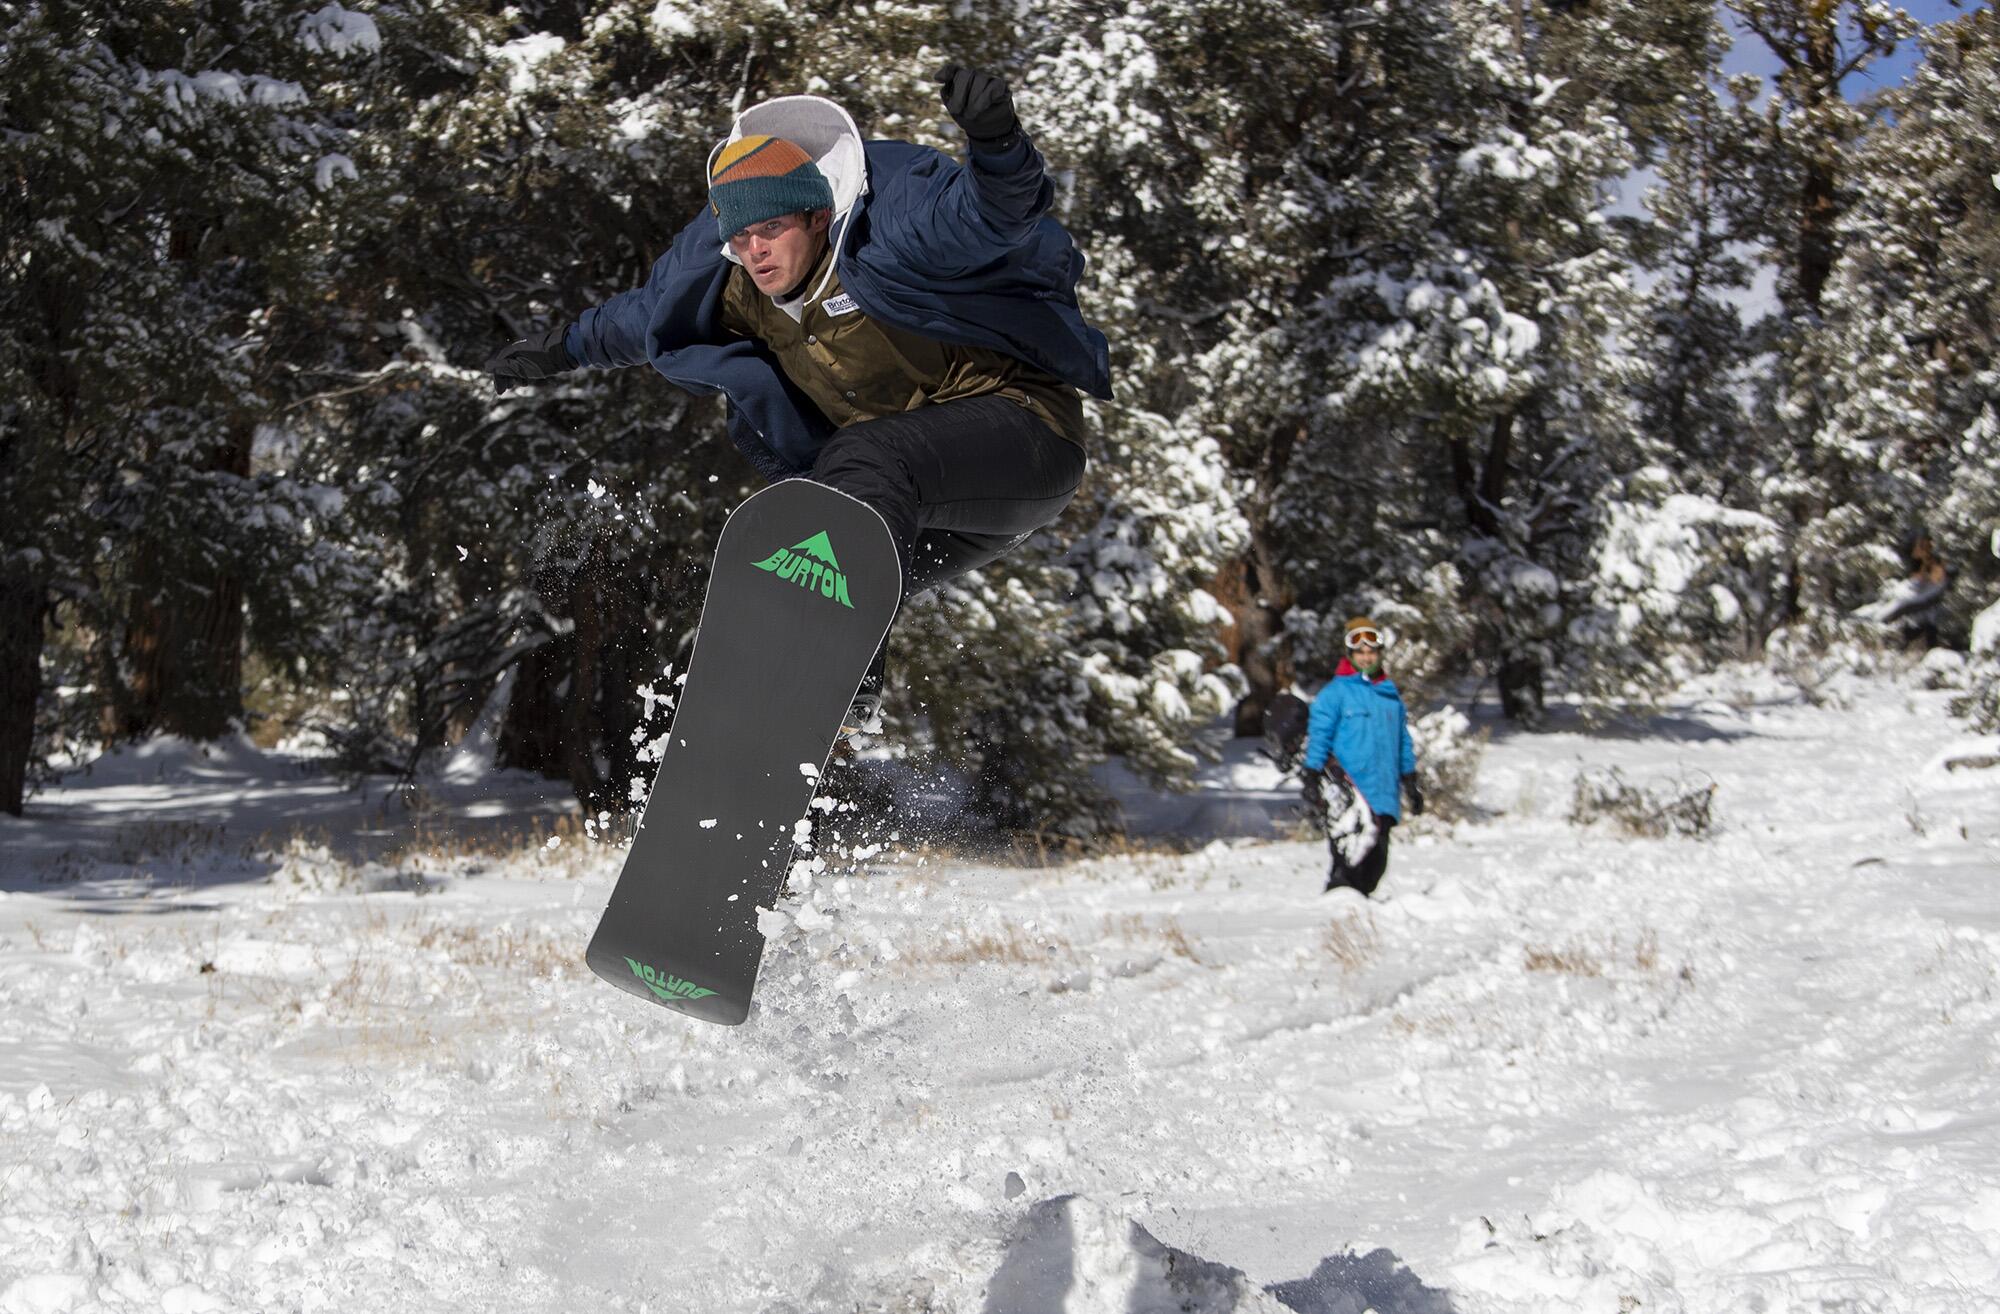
804,585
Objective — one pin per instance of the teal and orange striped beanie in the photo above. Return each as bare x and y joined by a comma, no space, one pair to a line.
759,178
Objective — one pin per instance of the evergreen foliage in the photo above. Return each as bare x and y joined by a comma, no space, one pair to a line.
1837,503
1394,331
1913,316
163,166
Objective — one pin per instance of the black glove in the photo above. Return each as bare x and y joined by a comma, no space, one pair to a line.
981,104
1315,798
1415,795
530,360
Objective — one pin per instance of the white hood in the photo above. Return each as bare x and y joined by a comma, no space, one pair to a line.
824,131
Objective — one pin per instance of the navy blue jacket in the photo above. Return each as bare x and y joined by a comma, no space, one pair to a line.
964,254
1361,724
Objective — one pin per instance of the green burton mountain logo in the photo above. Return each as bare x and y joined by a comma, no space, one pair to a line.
810,565
665,984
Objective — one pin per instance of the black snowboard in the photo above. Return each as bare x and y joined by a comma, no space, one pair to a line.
804,586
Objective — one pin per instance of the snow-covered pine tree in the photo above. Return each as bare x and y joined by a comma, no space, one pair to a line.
562,533
552,541
1839,505
1683,560
1910,315
1486,334
1238,155
162,165
1692,415
1098,637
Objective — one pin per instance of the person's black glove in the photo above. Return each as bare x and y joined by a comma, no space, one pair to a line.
1309,791
981,104
1414,794
1310,782
530,360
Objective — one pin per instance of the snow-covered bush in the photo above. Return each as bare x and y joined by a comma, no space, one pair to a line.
1677,585
1448,755
1675,806
1033,671
1981,700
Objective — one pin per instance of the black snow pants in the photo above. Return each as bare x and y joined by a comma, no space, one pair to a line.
961,483
1366,874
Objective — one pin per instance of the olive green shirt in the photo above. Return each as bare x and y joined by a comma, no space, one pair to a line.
855,368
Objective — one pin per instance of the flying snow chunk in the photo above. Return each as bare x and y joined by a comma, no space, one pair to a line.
595,489
809,771
709,824
462,553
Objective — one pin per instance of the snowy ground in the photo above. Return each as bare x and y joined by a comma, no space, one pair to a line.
1554,1068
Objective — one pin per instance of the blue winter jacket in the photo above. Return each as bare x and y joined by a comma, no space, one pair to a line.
959,253
1361,724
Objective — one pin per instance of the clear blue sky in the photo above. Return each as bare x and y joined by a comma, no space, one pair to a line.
1750,56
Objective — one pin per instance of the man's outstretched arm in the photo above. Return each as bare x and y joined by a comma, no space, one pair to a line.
1004,179
615,334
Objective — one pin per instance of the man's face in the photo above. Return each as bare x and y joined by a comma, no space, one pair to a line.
1365,655
780,252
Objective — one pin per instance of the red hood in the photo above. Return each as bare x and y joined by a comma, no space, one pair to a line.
1346,667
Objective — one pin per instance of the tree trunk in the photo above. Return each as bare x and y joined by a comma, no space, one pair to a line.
1253,589
576,701
184,636
581,722
23,604
531,734
1481,492
1819,206
1250,589
185,646
1521,689
628,661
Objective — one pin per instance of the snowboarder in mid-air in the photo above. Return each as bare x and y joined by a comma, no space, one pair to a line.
883,319
898,338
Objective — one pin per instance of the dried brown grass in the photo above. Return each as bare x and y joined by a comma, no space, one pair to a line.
1571,960
1585,960
1351,940
515,950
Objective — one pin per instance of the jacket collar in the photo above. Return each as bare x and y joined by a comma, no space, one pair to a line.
1347,667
